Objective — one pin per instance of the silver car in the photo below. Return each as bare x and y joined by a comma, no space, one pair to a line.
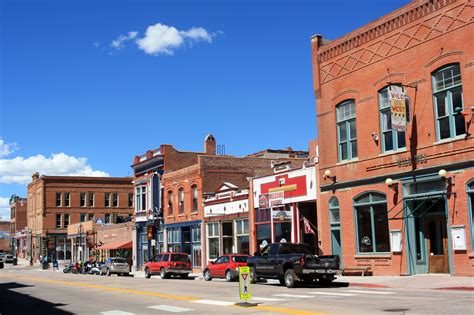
115,265
9,258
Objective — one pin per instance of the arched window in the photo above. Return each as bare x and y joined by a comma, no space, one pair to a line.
391,139
194,196
334,217
372,223
470,200
346,130
448,102
170,202
181,200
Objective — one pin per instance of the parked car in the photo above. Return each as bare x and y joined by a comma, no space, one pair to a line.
2,262
115,265
9,258
167,264
290,262
226,266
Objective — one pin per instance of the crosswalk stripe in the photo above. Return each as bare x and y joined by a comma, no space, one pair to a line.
212,302
293,296
370,292
265,299
331,293
170,308
116,312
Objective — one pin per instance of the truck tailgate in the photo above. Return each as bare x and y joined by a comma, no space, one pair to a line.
322,262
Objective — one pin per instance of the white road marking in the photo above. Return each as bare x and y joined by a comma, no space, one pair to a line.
370,292
293,296
265,299
170,308
117,312
331,293
212,302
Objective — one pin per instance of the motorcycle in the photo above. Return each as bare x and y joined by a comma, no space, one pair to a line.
95,270
68,268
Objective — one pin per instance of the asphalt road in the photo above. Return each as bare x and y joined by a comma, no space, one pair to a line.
27,291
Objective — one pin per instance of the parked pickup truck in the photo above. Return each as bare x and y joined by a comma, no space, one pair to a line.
289,262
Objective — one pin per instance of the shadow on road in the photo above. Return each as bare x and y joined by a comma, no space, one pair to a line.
12,302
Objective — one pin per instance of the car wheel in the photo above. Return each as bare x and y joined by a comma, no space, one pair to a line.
253,275
147,273
290,278
207,275
108,273
229,277
163,274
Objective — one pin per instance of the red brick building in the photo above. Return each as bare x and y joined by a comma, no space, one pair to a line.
399,202
18,224
55,202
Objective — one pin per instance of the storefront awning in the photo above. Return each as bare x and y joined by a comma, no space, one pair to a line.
116,245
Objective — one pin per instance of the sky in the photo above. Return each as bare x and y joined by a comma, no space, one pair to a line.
87,85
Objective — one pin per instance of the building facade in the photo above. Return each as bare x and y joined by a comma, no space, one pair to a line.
280,205
148,170
395,131
18,231
226,222
55,202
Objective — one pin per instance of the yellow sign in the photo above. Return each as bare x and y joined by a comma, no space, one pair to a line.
244,283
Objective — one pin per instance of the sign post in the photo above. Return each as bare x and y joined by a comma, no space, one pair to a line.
244,283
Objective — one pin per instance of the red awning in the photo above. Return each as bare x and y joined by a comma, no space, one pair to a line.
116,245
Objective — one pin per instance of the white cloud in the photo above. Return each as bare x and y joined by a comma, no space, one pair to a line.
7,148
164,39
4,209
19,170
119,42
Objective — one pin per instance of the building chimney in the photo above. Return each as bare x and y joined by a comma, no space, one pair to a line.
35,176
210,145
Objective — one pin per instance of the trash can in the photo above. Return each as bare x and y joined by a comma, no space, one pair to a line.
45,265
15,261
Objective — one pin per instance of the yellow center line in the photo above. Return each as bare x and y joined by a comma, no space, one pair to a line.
274,309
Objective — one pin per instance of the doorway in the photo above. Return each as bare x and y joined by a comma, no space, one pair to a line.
437,244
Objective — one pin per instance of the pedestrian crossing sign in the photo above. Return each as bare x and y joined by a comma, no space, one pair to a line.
244,283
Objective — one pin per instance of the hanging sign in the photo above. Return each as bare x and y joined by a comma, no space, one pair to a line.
398,108
244,283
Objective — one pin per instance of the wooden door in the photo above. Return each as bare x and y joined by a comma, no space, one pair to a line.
437,244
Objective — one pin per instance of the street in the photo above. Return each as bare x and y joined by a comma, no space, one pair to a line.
26,290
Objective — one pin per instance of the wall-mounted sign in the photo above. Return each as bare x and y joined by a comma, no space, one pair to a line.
398,108
396,241
280,215
458,234
408,161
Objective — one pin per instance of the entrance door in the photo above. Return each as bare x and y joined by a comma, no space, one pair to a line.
336,248
437,244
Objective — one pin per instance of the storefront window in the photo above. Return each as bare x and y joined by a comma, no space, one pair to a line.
263,235
213,240
283,232
174,240
227,237
372,224
242,238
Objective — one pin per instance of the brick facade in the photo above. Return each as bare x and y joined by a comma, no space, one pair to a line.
404,47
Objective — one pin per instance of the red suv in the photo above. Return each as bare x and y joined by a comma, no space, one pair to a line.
226,266
167,264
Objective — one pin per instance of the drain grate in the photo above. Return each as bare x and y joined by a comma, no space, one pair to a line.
396,310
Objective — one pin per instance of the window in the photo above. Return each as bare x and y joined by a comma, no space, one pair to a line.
334,217
58,199
58,220
181,201
174,240
213,239
83,217
448,102
372,223
66,220
194,191
107,199
392,139
170,202
346,130
470,200
115,199
141,198
91,217
67,199
130,200
91,199
83,199
107,218
242,236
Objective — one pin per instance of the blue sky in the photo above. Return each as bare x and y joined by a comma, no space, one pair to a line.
86,85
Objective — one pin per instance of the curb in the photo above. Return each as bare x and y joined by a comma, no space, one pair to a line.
368,285
456,288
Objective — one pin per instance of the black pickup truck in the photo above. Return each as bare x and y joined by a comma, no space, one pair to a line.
290,262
